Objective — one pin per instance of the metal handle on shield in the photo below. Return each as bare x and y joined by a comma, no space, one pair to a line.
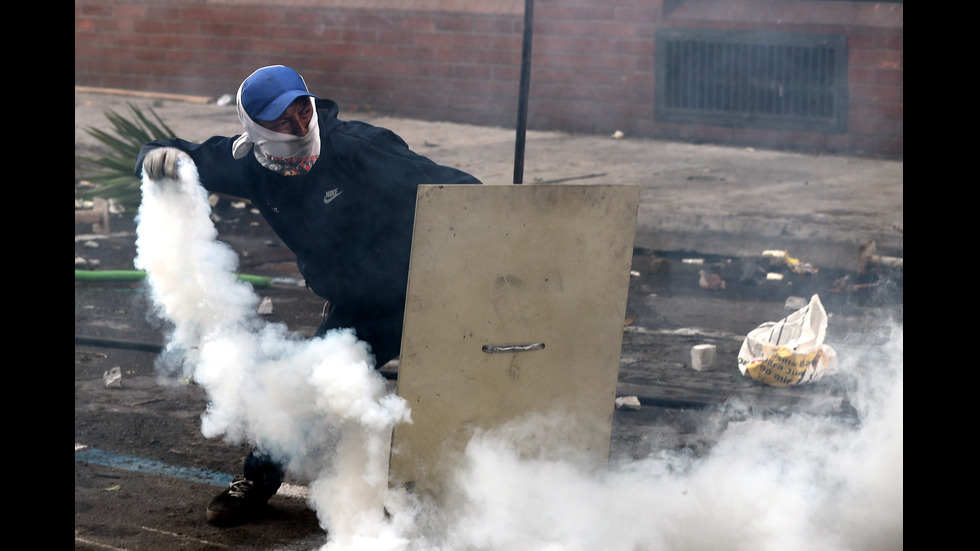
498,348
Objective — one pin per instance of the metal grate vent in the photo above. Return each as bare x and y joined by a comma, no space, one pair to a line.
739,78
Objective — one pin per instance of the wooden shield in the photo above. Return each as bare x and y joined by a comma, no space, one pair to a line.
516,305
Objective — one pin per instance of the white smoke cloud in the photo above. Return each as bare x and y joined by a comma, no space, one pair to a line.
796,483
800,483
318,405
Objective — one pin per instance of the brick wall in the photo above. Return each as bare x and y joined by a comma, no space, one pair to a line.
459,60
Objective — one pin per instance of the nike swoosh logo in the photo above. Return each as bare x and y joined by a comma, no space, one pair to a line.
331,195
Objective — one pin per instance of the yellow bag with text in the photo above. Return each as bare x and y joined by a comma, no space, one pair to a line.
791,351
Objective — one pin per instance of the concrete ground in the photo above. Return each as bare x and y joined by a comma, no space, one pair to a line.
732,201
833,449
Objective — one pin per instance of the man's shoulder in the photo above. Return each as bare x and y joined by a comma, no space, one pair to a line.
357,129
357,135
334,128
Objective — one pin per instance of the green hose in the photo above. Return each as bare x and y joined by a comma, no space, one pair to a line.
260,282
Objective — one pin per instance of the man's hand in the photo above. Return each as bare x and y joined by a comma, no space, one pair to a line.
162,162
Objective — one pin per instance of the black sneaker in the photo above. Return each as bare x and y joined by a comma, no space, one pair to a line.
238,503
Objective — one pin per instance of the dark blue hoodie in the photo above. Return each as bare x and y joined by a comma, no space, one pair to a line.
349,221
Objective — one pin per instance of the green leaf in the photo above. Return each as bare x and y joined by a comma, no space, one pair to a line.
112,173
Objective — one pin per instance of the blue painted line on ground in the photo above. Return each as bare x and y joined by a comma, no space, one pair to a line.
148,466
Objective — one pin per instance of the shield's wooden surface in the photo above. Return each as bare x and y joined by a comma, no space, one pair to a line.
516,304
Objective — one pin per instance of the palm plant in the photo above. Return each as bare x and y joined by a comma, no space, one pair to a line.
113,175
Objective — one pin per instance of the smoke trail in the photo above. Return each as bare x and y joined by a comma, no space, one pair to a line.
800,483
796,483
318,405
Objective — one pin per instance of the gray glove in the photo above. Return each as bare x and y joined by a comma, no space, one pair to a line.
162,162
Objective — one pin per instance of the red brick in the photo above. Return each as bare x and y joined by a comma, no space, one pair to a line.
395,37
94,9
637,14
355,35
84,26
862,42
862,75
191,13
872,92
162,13
573,12
492,58
892,42
257,16
895,78
593,65
131,11
880,59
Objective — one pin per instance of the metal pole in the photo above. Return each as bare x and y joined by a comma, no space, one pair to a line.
525,87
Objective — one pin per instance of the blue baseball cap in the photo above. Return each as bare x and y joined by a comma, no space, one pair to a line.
266,93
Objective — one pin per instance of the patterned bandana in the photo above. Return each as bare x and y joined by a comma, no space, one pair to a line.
287,166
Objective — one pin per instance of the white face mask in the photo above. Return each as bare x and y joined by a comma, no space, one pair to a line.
283,153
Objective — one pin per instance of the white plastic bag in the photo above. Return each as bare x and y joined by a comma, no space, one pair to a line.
791,351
